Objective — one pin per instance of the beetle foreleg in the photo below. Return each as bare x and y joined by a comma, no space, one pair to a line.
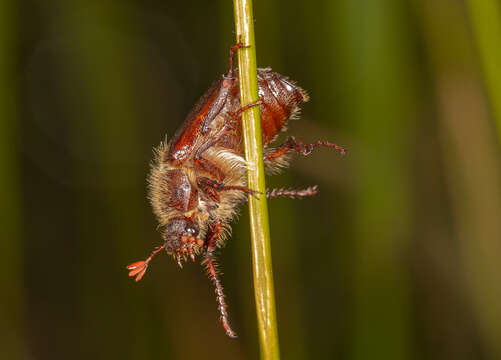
209,262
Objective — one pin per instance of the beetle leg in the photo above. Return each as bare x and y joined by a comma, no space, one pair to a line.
226,85
304,149
209,262
210,167
206,145
246,107
138,268
220,186
233,51
293,194
219,102
224,130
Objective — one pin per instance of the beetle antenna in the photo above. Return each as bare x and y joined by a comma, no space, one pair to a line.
138,268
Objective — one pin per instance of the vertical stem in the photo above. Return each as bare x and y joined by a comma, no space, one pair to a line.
258,209
486,23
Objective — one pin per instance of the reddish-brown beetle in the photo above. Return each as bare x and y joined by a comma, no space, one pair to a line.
198,179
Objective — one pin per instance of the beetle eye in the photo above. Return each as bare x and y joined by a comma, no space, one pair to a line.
191,229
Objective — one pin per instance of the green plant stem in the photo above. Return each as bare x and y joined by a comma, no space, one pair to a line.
486,23
258,209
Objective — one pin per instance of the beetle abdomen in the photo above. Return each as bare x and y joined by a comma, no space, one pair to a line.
282,98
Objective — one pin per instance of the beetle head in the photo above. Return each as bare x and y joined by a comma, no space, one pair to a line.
181,239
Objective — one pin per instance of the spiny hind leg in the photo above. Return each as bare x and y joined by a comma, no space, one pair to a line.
291,193
292,144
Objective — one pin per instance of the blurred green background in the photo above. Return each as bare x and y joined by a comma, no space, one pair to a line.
396,258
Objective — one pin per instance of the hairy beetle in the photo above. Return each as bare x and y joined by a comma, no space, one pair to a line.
198,178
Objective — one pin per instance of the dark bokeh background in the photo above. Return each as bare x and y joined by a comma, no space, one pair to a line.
397,258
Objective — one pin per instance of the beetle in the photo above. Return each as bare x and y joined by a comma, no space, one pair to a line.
198,178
